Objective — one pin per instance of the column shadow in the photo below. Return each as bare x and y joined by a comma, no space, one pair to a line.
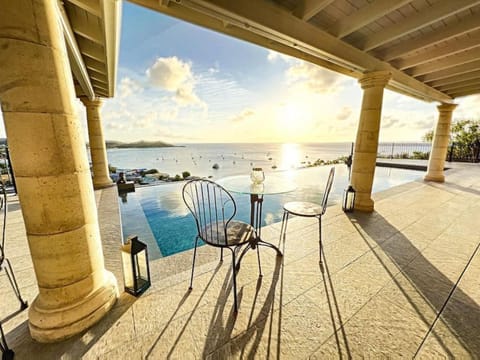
433,286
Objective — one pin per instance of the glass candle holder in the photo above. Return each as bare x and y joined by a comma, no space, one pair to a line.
257,175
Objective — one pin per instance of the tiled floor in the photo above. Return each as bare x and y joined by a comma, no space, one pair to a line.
403,281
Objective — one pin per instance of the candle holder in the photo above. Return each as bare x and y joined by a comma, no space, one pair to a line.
257,175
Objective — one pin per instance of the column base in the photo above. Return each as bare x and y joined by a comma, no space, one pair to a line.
103,184
435,177
51,325
365,206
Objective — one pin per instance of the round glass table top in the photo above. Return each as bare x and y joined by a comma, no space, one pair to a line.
243,184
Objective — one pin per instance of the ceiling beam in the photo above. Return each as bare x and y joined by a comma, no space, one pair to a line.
91,49
453,71
98,78
75,56
449,49
364,16
91,6
445,63
96,65
460,85
471,88
467,24
465,93
111,12
438,11
456,79
307,9
81,27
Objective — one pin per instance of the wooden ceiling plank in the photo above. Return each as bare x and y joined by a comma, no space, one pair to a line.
456,79
460,85
91,49
82,28
307,9
439,52
467,24
365,15
428,16
91,6
448,62
465,93
453,71
472,87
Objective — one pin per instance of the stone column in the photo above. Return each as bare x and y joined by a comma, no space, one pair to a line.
441,138
52,172
98,152
366,145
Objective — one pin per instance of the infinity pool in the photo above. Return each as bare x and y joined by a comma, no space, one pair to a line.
159,217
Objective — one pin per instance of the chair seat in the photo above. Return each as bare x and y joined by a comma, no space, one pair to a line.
303,208
238,232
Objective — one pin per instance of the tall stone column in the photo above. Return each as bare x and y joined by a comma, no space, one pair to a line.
366,145
441,138
52,173
98,152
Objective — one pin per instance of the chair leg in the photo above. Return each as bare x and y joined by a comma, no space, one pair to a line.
221,254
13,282
7,353
234,276
193,263
283,229
259,265
320,238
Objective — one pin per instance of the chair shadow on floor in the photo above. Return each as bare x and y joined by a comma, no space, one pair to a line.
435,288
219,335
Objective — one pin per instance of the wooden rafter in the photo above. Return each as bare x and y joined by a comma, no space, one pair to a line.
364,16
459,85
456,79
309,8
90,6
453,71
428,16
448,62
452,48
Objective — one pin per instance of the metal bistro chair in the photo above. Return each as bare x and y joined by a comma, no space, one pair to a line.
213,209
308,209
5,264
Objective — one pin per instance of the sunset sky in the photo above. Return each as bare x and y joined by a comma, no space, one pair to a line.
181,83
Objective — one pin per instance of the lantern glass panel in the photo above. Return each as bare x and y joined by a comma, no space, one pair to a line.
127,266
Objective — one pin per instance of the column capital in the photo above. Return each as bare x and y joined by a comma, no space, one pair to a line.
375,79
96,102
446,107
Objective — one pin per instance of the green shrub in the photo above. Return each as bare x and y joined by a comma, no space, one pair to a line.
185,174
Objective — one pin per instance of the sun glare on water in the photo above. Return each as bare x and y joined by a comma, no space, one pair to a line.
290,156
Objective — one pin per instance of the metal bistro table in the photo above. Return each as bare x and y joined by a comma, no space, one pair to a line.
272,185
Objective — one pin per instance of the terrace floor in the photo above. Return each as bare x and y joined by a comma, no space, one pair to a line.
400,282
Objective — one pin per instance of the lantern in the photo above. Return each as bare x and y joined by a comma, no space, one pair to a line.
348,199
135,266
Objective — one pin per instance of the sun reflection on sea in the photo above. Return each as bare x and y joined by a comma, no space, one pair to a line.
290,154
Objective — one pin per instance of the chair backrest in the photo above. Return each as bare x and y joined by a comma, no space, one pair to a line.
212,208
3,212
328,187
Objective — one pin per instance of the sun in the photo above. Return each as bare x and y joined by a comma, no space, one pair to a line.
294,120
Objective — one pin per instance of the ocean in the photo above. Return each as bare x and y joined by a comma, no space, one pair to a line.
159,217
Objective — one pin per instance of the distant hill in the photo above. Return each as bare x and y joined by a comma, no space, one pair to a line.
136,144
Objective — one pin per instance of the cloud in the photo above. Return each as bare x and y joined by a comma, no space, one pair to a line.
274,56
314,78
344,113
127,87
169,73
176,76
244,115
389,121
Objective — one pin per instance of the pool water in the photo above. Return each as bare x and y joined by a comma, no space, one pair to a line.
159,217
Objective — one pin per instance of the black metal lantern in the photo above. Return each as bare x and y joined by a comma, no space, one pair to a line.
135,266
348,204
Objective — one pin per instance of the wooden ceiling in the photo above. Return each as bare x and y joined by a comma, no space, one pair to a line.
92,34
431,47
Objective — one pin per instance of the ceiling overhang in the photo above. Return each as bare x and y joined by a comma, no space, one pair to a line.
92,35
420,42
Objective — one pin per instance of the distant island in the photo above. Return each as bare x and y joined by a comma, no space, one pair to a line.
136,144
